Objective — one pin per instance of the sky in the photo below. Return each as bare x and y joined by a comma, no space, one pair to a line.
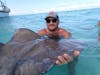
38,6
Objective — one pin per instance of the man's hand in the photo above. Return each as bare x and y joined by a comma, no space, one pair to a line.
65,58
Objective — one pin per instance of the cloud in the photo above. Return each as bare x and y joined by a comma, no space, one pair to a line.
57,8
72,7
78,7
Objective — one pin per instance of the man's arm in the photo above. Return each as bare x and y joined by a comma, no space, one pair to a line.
65,58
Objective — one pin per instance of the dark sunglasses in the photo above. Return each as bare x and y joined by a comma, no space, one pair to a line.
53,20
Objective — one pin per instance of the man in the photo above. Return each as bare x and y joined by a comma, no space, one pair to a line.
53,31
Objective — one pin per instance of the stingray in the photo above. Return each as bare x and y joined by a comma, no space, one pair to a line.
29,54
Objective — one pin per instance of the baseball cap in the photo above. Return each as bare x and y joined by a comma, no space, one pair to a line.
52,14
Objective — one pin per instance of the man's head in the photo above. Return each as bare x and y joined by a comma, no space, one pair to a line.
52,21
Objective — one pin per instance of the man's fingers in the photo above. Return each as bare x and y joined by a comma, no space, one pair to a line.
76,53
61,59
58,62
67,57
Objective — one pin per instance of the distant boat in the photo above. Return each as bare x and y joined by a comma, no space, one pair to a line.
4,10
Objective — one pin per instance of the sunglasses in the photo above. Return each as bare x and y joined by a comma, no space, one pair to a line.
53,20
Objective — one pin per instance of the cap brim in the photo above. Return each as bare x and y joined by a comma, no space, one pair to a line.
50,17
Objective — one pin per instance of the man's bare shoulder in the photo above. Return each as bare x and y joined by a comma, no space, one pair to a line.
64,33
42,32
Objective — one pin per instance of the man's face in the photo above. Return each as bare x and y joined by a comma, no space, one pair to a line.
52,23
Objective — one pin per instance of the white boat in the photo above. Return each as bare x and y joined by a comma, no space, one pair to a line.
4,10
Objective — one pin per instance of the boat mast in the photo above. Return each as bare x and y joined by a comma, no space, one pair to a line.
3,6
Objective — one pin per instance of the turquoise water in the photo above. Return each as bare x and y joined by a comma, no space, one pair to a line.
82,25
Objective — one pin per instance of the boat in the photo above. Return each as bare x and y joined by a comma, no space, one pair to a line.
4,10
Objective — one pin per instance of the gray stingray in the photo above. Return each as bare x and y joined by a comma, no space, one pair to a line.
29,54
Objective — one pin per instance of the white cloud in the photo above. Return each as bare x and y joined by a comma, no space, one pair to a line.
58,8
76,7
72,7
